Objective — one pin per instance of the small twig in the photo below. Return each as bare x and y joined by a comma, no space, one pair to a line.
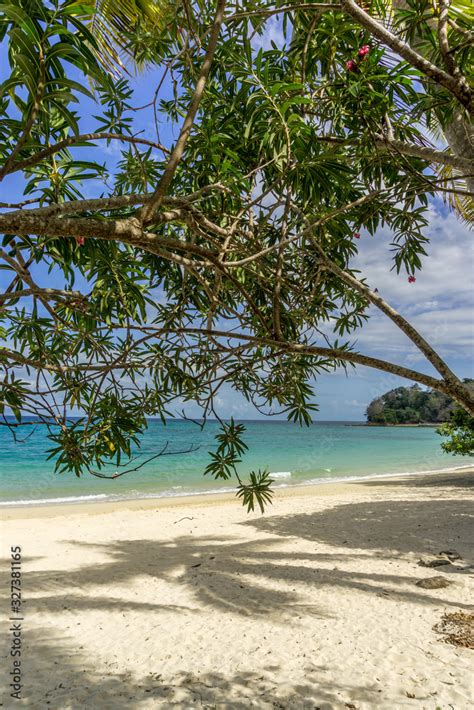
163,452
19,205
73,140
31,119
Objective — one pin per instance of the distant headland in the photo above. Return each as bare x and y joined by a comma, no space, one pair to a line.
411,406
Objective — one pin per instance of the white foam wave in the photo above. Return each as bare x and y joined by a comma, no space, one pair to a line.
280,474
174,493
53,501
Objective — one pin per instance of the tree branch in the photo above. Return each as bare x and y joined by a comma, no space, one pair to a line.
31,119
52,293
457,86
449,62
276,304
268,12
297,348
427,153
430,154
411,332
38,156
178,150
307,230
128,231
18,205
331,353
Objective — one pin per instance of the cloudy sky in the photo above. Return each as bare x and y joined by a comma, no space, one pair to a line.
440,304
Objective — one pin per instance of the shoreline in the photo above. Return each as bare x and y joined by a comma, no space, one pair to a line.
193,602
323,488
408,424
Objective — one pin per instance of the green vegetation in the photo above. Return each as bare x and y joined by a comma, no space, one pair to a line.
460,433
217,251
410,405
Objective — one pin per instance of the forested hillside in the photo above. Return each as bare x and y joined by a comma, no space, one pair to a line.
411,405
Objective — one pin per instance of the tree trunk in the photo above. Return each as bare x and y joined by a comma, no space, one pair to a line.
459,133
460,137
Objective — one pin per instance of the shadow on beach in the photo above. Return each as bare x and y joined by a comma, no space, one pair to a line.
59,675
231,575
392,526
456,481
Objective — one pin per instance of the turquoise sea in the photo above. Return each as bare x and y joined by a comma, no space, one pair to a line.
324,451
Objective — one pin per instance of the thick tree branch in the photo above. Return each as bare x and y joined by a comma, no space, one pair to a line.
128,231
327,352
449,62
437,157
411,332
178,150
297,348
457,86
460,394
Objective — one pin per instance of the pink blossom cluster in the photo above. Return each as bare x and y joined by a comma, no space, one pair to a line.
351,64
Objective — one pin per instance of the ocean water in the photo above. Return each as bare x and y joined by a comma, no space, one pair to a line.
325,451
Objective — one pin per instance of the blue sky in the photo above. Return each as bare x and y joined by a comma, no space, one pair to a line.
440,303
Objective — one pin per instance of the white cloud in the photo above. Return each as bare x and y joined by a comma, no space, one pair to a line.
446,273
440,303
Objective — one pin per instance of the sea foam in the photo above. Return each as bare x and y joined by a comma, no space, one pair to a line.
280,474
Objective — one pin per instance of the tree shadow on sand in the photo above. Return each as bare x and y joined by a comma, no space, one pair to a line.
229,575
60,676
459,482
394,526
233,576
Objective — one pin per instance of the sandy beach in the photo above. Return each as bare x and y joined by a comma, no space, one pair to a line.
194,603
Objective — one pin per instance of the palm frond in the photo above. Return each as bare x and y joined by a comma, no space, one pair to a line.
462,9
463,205
115,21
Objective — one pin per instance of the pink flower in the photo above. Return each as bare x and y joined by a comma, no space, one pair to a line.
356,235
80,241
363,51
411,279
351,65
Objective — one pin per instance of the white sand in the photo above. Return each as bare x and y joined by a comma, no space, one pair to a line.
197,604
